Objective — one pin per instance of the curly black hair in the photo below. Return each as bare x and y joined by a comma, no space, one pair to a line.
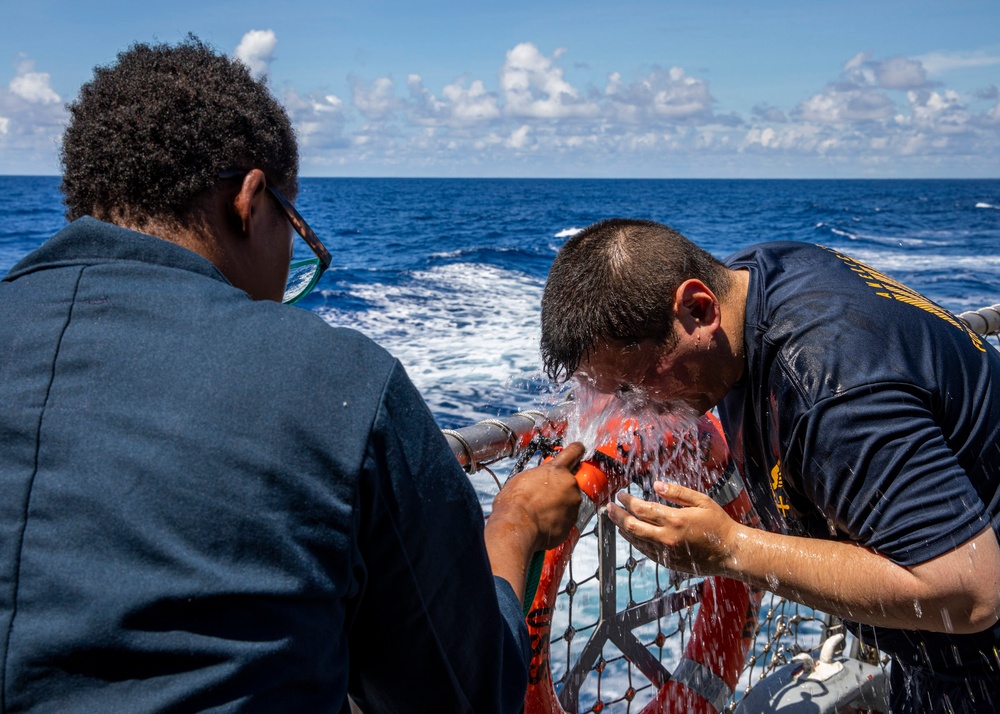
149,134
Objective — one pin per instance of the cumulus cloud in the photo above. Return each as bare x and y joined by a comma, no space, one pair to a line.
943,113
33,87
937,63
320,120
860,93
879,110
376,101
459,105
875,109
669,95
256,51
534,86
32,119
519,138
840,104
535,112
989,93
900,73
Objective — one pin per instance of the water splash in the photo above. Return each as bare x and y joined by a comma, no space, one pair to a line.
653,442
946,619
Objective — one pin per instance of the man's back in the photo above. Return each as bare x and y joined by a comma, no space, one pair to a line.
191,498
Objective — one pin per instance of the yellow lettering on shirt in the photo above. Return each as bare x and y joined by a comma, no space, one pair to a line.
893,290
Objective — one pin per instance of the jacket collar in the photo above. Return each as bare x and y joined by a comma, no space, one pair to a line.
88,241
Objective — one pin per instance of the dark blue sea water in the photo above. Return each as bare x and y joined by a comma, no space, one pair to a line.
448,274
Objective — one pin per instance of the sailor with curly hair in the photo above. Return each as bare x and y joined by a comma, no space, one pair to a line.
210,500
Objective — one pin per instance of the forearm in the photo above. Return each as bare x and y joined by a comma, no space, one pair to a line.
509,546
534,511
850,581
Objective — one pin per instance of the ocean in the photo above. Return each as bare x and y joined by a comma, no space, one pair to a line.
447,274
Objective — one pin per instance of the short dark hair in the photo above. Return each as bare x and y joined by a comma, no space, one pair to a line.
615,280
149,133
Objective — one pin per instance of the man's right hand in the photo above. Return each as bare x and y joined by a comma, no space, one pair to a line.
534,511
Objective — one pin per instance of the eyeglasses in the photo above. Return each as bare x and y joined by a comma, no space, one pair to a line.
302,274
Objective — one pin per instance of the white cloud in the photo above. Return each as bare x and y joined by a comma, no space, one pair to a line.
256,51
837,105
989,93
937,63
533,86
32,119
801,139
518,139
319,120
375,102
670,95
900,73
941,113
459,105
876,111
473,103
860,94
769,114
861,71
857,61
33,87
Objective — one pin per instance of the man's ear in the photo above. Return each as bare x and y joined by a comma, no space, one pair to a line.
697,308
249,200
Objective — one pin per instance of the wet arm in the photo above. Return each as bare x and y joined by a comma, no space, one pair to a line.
955,592
958,591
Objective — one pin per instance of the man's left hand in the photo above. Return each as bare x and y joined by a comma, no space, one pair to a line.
693,537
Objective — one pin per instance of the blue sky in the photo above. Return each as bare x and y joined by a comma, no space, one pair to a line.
633,88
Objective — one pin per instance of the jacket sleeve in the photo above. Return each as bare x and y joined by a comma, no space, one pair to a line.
433,630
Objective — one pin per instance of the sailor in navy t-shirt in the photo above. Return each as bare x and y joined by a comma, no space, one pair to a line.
865,419
867,413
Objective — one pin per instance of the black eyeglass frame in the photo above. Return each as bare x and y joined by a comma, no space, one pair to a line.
323,257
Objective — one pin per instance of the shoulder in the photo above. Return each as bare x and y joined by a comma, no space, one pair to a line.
773,254
304,338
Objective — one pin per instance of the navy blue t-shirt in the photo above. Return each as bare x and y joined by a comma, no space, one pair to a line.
866,413
214,504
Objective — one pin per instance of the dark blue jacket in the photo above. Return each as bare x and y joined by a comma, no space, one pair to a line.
210,503
867,413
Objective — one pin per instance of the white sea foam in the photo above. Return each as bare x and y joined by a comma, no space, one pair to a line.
986,205
459,329
930,238
568,232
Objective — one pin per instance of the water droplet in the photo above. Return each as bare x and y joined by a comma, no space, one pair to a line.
772,581
917,609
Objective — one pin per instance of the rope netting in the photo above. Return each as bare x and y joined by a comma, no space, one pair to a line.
606,577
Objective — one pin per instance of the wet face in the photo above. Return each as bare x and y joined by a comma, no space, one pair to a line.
647,374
